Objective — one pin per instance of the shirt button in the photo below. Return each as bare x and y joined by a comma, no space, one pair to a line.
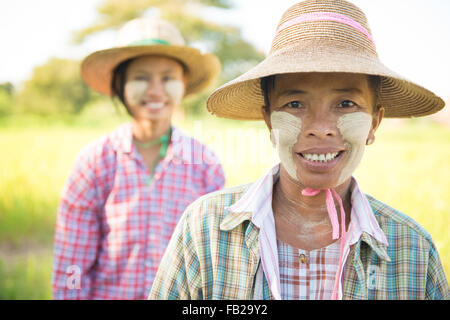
302,258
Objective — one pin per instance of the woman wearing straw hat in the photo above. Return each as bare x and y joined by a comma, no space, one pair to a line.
305,230
128,189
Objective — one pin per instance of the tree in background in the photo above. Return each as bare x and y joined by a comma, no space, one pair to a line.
54,88
6,98
236,54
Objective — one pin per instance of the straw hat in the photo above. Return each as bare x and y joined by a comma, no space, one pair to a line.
146,36
322,36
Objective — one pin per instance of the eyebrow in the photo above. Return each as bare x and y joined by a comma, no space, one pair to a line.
143,71
290,92
349,90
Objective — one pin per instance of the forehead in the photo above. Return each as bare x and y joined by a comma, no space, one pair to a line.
321,82
154,64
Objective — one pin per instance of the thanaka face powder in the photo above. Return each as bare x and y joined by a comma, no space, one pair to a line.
354,129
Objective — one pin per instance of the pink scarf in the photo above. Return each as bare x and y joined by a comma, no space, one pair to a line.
335,224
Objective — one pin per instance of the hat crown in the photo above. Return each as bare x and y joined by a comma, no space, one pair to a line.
142,31
322,36
338,21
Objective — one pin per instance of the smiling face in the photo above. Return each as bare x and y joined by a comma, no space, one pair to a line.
154,86
320,123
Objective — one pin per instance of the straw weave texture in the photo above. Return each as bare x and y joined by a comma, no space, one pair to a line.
97,68
322,46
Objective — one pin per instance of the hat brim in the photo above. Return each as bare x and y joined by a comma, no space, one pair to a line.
97,68
242,98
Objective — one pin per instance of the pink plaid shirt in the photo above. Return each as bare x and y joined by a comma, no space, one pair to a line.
113,226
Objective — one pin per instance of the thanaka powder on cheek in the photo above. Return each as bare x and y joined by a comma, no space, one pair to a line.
285,131
175,91
134,91
354,128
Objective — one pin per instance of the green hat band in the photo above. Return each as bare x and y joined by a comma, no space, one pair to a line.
148,42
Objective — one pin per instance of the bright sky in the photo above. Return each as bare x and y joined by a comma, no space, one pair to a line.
412,36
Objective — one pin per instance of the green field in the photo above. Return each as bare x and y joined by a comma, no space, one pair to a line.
407,167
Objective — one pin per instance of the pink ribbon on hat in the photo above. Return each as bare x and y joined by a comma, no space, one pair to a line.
327,16
332,213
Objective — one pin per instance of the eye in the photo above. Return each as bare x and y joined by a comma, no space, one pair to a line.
347,104
293,105
140,78
167,78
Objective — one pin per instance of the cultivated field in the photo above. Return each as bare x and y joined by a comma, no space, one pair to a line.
407,168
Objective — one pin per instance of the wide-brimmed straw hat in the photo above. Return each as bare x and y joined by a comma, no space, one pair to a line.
322,36
149,36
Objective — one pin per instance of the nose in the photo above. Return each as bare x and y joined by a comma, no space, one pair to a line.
319,125
156,88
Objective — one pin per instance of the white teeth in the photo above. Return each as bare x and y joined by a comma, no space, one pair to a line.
320,157
155,105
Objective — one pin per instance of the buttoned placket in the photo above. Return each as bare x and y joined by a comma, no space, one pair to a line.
303,259
152,244
135,156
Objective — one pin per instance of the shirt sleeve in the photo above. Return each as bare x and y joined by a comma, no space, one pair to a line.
437,285
179,276
77,232
214,176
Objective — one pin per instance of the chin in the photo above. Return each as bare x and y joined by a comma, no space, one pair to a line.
156,116
320,182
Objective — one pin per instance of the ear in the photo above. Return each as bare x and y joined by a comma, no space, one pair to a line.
376,120
266,117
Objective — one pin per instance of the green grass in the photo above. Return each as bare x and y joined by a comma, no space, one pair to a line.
406,168
26,276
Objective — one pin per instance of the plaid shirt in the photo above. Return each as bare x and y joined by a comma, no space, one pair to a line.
112,226
307,275
215,253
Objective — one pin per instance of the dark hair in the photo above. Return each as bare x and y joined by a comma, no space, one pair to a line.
267,83
118,82
375,84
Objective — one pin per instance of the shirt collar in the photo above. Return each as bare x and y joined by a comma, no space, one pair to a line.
259,194
249,205
121,138
179,146
362,215
182,146
364,225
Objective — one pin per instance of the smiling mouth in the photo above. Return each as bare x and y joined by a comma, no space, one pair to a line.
153,105
321,157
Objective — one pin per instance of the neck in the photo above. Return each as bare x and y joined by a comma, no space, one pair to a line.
290,200
146,130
